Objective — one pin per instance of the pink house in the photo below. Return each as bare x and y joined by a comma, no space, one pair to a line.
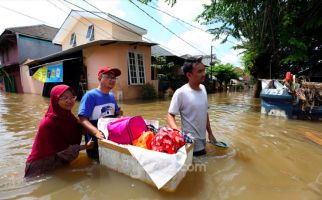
19,43
90,41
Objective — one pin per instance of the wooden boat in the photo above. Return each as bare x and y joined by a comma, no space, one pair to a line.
277,101
119,158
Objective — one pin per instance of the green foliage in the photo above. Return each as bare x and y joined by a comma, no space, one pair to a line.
170,2
210,69
4,73
148,91
225,72
240,86
274,34
161,63
239,72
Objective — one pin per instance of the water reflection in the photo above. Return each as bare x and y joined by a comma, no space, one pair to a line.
269,157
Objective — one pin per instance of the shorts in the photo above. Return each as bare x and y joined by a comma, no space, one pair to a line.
200,145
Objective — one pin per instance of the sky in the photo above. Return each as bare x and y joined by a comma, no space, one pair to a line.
185,40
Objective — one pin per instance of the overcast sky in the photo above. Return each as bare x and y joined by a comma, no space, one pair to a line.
14,13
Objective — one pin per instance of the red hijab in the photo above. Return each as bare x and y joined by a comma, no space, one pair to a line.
57,130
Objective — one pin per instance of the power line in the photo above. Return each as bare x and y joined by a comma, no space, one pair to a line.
167,28
180,20
23,14
93,13
127,28
79,20
84,19
67,30
158,9
44,22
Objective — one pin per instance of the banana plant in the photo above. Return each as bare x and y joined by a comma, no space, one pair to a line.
4,74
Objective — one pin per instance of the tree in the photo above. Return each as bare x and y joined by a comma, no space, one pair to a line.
224,73
8,81
162,65
276,35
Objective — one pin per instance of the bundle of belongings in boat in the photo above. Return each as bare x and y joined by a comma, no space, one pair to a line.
309,95
306,94
134,131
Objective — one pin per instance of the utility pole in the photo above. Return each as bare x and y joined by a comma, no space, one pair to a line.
211,63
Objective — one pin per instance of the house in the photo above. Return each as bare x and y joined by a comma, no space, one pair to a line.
166,68
19,43
170,60
207,60
93,39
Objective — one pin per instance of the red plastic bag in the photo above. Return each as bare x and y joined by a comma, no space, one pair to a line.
167,140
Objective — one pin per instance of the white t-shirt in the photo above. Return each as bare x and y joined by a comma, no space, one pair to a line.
193,107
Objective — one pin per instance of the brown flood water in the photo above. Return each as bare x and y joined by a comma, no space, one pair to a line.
269,158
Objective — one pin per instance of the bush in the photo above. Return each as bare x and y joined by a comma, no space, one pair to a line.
148,91
240,86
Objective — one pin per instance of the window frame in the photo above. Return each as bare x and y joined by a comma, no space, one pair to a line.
139,80
72,41
90,33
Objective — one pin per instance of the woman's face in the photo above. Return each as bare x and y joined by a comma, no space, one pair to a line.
67,100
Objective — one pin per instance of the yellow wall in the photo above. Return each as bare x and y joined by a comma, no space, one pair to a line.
121,33
29,84
116,56
103,30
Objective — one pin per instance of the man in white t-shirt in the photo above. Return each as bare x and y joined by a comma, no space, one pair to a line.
191,102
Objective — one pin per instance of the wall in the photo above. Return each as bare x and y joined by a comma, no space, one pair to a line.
33,48
29,84
102,31
122,34
116,55
12,51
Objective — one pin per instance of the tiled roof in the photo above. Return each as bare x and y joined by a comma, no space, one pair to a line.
206,59
39,31
159,51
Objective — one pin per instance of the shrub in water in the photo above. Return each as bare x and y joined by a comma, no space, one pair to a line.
148,91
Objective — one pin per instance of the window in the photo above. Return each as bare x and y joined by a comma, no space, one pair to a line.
90,33
72,41
136,68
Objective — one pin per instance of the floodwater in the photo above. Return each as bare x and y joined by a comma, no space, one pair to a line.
269,157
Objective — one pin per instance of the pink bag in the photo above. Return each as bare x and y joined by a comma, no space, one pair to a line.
126,129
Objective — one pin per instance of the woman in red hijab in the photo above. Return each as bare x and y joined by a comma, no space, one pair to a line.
59,135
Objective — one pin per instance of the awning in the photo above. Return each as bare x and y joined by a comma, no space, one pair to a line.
73,52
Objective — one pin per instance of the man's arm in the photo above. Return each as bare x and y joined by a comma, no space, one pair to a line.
211,136
172,121
92,129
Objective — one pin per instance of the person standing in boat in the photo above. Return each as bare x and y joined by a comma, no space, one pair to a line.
96,103
191,102
59,135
